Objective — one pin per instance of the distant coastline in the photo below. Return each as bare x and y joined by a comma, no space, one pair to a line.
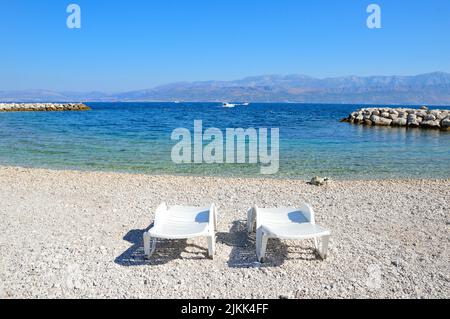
424,89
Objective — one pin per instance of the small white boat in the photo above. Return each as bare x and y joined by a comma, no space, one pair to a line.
225,104
246,104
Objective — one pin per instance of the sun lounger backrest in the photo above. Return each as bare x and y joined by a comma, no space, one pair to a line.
213,215
308,212
160,213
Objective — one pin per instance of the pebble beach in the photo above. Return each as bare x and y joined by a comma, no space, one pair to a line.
75,234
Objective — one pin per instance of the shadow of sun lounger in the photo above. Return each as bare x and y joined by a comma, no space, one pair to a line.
243,248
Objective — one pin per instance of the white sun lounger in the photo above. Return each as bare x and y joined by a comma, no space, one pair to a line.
181,222
286,223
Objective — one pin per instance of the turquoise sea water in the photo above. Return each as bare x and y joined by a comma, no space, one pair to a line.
135,137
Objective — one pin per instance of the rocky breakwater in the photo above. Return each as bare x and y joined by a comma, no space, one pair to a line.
42,107
402,117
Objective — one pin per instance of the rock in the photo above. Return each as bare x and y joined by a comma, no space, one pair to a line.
412,121
424,108
318,181
41,107
441,115
429,117
359,118
381,121
393,116
401,117
399,122
422,113
431,124
435,113
445,124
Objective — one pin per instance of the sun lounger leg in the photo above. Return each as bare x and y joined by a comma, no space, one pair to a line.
251,220
324,250
261,245
149,245
211,246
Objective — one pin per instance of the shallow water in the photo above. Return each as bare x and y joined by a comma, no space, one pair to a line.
135,137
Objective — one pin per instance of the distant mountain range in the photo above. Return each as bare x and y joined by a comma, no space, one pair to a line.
423,89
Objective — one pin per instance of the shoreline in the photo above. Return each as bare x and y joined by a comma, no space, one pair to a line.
72,234
225,177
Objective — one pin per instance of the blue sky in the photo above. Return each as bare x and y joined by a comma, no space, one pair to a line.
137,44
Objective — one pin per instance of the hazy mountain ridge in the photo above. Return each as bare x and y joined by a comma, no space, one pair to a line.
430,88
